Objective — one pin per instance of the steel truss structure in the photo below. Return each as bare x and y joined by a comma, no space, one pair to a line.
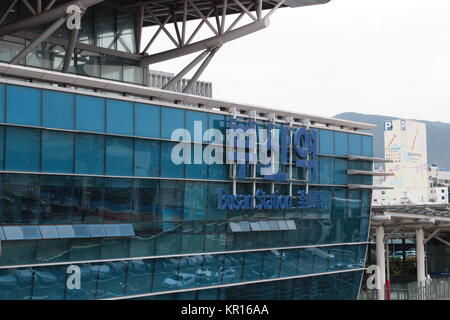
169,17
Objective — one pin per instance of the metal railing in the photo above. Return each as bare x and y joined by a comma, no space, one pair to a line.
436,289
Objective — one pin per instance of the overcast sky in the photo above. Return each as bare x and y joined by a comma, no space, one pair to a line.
389,57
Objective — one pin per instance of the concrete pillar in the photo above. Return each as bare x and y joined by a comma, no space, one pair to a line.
381,261
420,256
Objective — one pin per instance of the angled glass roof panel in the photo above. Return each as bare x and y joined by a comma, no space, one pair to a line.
282,225
273,225
264,226
235,227
112,230
65,231
31,232
245,226
126,230
97,230
254,225
49,232
291,225
13,233
81,231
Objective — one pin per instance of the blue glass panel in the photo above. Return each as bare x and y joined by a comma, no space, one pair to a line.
197,170
20,288
195,200
233,268
90,154
321,258
49,283
147,157
165,275
289,263
201,118
2,147
119,156
212,270
13,233
81,231
2,234
272,263
57,151
355,145
97,230
58,110
253,266
139,277
23,148
31,232
354,204
49,232
171,119
341,143
23,105
305,261
217,121
168,168
118,200
367,146
119,117
65,231
326,170
2,103
126,230
111,280
326,142
112,230
90,113
147,120
340,171
190,272
218,171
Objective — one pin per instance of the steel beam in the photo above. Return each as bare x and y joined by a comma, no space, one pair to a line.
13,3
28,5
139,26
69,49
420,256
206,44
44,35
50,5
203,17
155,35
44,17
431,236
245,10
442,240
381,261
200,71
169,85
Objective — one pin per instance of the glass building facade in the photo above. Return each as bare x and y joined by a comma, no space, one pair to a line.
86,179
106,46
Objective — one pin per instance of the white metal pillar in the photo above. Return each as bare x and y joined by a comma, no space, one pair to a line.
381,261
420,256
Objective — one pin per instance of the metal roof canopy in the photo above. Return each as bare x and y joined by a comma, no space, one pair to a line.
402,221
160,14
